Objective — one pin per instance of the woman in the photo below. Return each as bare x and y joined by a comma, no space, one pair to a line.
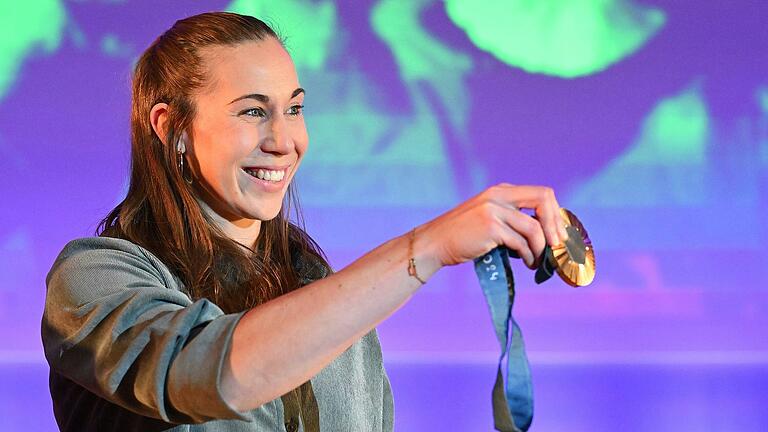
199,302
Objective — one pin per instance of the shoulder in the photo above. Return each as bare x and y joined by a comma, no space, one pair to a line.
81,248
108,262
102,246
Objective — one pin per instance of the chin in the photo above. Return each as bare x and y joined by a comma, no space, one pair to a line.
262,214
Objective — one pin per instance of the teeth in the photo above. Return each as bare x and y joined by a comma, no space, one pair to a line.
268,175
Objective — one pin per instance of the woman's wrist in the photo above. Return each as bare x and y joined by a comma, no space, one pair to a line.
421,261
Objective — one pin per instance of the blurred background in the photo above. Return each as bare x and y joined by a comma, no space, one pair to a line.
648,118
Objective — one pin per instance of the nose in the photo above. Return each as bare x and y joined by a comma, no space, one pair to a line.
278,140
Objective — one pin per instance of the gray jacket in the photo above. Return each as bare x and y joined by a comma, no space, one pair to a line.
130,351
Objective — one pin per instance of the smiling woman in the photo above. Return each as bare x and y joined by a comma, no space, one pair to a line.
200,302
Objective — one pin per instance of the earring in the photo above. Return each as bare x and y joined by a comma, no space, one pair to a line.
181,148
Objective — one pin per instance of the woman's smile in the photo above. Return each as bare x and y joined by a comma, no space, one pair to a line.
270,179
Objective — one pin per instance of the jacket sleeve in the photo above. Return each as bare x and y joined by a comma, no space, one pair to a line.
114,324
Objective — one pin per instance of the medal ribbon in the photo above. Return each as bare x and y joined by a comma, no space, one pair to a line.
512,398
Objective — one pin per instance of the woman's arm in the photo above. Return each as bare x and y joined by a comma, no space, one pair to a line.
286,341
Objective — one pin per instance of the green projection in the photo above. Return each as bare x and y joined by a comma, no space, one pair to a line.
24,27
422,58
666,166
676,132
761,95
113,46
309,44
426,63
564,38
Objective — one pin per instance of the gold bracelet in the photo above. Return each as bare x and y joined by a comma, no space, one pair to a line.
411,259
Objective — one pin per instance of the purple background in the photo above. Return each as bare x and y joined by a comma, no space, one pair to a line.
671,336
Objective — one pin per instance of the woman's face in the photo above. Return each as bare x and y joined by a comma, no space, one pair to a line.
248,134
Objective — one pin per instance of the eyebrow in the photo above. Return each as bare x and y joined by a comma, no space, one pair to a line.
264,98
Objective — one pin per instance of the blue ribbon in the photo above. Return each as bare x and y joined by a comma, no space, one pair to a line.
512,399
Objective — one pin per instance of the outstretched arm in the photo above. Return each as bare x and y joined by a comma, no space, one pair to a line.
284,342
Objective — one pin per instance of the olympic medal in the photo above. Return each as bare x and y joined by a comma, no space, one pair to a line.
574,260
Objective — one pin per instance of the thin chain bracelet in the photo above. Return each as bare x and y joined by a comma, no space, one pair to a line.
411,259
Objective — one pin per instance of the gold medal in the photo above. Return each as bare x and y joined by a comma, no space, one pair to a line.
574,261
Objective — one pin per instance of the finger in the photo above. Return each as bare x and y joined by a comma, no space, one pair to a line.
539,198
524,196
530,229
516,242
559,223
547,217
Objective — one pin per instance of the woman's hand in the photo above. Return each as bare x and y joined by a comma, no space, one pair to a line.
494,218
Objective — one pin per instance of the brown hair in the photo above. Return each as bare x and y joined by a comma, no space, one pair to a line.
160,211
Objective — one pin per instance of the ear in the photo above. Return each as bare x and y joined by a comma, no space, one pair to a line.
158,118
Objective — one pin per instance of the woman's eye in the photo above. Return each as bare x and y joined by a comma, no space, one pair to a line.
254,112
296,110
